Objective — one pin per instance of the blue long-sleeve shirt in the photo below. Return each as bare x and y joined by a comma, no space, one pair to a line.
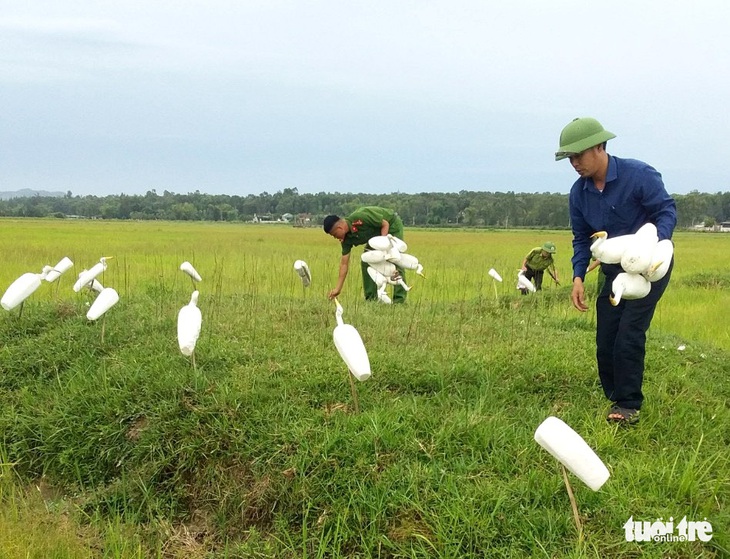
634,194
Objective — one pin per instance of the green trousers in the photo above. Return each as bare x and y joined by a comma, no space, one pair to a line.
369,286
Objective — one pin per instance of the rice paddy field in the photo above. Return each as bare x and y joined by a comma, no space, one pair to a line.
112,444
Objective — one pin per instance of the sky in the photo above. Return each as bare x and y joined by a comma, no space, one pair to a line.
244,96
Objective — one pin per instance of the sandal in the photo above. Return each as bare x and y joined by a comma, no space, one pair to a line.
623,416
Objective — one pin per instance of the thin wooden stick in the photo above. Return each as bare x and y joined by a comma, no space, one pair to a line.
573,504
353,391
103,327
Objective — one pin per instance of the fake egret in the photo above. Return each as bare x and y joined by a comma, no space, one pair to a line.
350,346
523,283
407,262
493,274
21,289
63,265
303,270
189,322
187,267
398,244
637,256
661,258
609,250
572,451
87,276
381,242
628,286
391,273
381,282
107,298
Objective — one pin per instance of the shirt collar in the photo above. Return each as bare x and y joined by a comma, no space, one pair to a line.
611,174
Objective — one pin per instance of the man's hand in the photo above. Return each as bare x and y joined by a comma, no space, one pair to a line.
332,294
578,295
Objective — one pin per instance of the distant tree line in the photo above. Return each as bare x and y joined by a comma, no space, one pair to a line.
465,208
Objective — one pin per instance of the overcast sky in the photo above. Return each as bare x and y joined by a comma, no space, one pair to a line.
378,96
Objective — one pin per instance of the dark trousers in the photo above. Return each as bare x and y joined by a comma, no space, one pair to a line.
621,340
369,286
537,275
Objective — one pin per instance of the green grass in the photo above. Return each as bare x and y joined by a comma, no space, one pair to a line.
258,451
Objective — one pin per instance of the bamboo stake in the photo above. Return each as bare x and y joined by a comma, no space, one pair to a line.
573,504
353,391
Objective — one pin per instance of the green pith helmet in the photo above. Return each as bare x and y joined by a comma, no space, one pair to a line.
549,247
579,135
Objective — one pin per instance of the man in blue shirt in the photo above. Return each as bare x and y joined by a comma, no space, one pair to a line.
617,196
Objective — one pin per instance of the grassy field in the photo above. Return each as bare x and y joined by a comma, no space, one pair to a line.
120,448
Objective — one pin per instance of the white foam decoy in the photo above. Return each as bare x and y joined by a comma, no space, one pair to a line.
21,289
303,270
107,298
63,265
637,257
187,267
391,273
628,286
382,282
572,451
87,276
609,250
350,346
524,283
374,256
399,244
407,262
660,260
94,284
380,242
493,273
189,323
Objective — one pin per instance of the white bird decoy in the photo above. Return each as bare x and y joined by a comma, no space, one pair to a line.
189,322
493,273
107,298
87,276
392,246
523,283
660,260
63,265
628,286
609,250
187,267
407,262
398,244
95,285
374,256
382,282
380,242
350,346
637,256
391,273
572,451
21,289
303,270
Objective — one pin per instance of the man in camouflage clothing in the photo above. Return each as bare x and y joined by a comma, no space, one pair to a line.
357,229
